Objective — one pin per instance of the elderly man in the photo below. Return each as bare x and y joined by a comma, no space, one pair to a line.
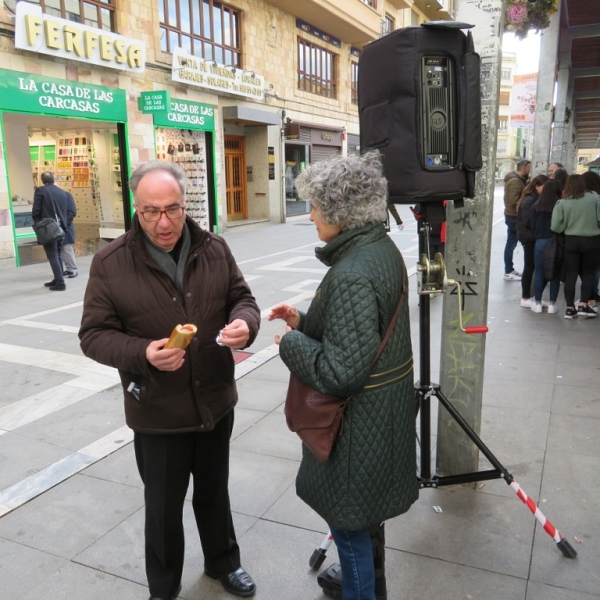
552,168
179,403
514,183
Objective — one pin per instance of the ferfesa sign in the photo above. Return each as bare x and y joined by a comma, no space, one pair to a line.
45,34
152,102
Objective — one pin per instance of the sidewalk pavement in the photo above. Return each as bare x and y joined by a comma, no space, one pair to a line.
72,501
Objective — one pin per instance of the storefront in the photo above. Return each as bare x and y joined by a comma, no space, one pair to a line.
185,134
305,145
76,131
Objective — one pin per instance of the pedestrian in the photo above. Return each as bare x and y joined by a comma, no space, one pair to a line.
562,175
552,169
370,475
531,193
514,182
49,201
577,215
540,220
592,184
394,212
68,250
163,271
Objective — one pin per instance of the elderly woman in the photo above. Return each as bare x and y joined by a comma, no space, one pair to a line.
370,475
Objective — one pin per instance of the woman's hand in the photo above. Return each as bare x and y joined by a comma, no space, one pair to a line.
278,337
289,314
286,312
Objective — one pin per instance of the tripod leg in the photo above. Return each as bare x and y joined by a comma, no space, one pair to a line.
378,542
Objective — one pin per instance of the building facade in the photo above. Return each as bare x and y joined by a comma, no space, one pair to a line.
243,94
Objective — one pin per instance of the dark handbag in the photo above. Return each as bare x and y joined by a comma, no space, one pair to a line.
48,230
316,417
554,255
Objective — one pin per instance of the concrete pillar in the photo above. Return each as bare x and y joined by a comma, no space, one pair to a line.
561,134
467,256
545,96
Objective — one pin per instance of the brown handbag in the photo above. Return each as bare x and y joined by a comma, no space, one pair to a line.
317,418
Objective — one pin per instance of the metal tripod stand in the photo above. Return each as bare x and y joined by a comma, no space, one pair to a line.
433,280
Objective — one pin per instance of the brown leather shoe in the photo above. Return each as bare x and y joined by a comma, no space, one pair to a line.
238,582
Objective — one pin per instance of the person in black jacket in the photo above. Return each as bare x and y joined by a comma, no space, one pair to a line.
49,201
529,197
540,219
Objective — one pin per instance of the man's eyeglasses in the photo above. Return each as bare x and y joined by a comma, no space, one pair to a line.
153,214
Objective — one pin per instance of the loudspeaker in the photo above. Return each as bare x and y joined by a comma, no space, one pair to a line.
419,105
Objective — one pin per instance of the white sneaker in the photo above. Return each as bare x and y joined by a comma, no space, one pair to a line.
537,308
527,302
552,309
514,276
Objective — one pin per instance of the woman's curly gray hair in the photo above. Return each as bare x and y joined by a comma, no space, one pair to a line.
349,191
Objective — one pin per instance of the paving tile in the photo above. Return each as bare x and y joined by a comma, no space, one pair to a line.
15,579
259,393
270,437
68,518
478,530
256,481
21,457
577,401
570,500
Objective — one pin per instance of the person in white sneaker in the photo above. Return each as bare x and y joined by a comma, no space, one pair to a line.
529,197
514,182
577,215
539,220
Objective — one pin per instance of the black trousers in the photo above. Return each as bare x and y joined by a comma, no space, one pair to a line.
165,463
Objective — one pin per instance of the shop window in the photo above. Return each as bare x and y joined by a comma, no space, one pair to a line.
354,82
316,70
387,25
94,13
203,28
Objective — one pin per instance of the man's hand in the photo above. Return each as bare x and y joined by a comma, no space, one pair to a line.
235,335
164,359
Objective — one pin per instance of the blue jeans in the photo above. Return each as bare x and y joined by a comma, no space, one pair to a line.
540,279
511,243
356,559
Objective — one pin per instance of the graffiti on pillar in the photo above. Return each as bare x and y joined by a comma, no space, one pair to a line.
464,363
464,218
467,288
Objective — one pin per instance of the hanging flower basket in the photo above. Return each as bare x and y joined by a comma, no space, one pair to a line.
520,16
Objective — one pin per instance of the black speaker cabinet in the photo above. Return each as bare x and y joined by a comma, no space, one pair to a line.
419,105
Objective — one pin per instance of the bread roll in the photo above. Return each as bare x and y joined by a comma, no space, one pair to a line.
182,336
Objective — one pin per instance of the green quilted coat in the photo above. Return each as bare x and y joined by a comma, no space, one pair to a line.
371,473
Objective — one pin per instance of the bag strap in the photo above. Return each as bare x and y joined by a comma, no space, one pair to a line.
49,195
386,337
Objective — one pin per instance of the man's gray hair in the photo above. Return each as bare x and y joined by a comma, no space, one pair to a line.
159,165
522,164
349,191
47,177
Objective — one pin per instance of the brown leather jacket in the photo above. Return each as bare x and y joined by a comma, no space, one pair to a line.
130,301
